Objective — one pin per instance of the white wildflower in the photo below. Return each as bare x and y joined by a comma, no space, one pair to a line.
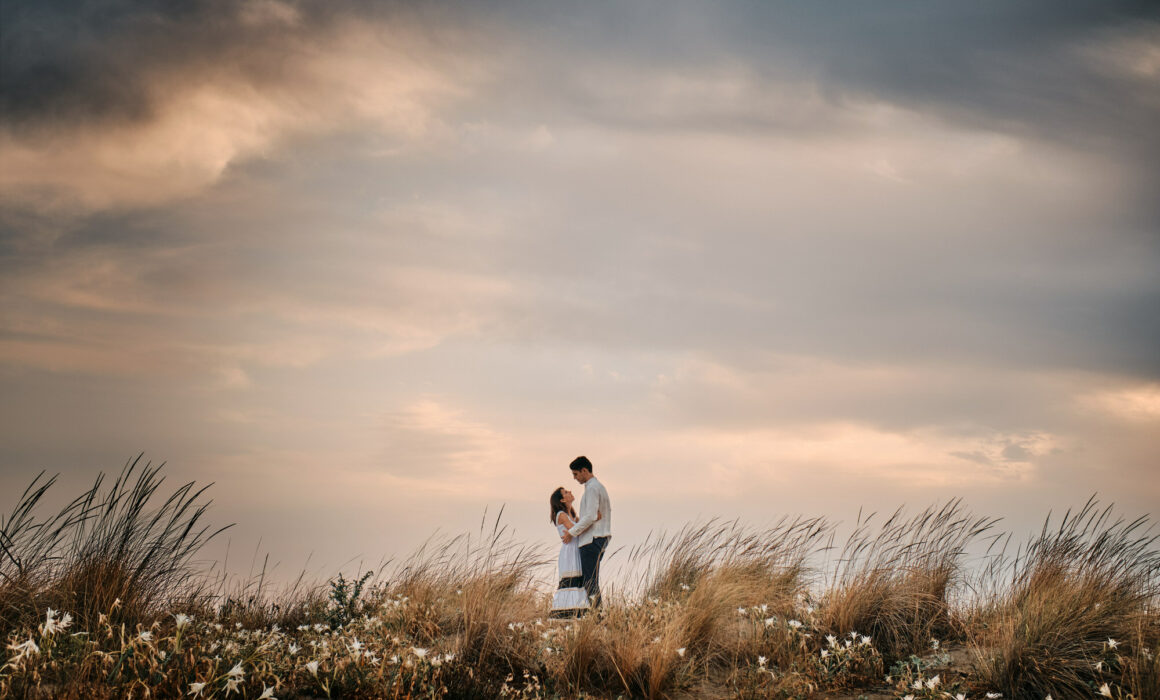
681,652
195,689
825,653
419,651
1105,691
294,648
312,666
932,683
769,621
23,649
741,611
761,661
794,624
865,640
267,693
52,625
908,697
994,696
1112,644
182,620
831,640
145,636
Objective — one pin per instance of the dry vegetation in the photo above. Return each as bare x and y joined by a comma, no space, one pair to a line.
101,601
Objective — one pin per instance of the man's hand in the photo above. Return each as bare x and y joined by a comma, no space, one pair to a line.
567,537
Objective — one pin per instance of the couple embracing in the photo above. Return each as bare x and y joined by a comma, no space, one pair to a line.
584,538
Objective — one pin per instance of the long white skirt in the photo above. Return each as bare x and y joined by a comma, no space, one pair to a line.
570,598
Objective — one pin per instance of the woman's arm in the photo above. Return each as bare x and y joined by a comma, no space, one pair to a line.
563,519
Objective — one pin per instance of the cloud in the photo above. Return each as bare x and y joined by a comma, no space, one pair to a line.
749,258
155,103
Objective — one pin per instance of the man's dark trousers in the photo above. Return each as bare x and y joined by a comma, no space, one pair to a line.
590,556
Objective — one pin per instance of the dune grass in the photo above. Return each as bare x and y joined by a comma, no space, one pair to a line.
101,600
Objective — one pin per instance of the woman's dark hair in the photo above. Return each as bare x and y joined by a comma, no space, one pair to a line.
557,501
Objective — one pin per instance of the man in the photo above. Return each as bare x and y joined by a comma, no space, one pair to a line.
593,527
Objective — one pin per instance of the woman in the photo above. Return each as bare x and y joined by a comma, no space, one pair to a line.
570,599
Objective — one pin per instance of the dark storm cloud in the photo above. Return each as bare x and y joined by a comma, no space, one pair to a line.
71,63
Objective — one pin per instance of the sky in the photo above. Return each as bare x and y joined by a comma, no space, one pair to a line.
377,269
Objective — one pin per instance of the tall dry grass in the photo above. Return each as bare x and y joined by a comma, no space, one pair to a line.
716,609
894,582
108,544
1073,609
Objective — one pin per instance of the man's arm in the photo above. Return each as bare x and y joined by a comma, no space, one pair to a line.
588,507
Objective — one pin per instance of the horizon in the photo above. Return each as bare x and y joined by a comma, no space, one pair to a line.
376,271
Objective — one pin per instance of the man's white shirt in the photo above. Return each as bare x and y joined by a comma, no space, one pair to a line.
595,500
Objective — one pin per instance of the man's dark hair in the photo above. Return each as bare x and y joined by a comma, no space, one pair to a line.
579,463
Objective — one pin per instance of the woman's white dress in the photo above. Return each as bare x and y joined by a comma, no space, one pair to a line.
570,597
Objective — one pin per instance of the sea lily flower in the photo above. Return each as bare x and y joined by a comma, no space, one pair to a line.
994,696
681,652
419,651
1105,691
52,625
312,666
794,624
195,689
267,694
932,683
761,661
23,649
1112,644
